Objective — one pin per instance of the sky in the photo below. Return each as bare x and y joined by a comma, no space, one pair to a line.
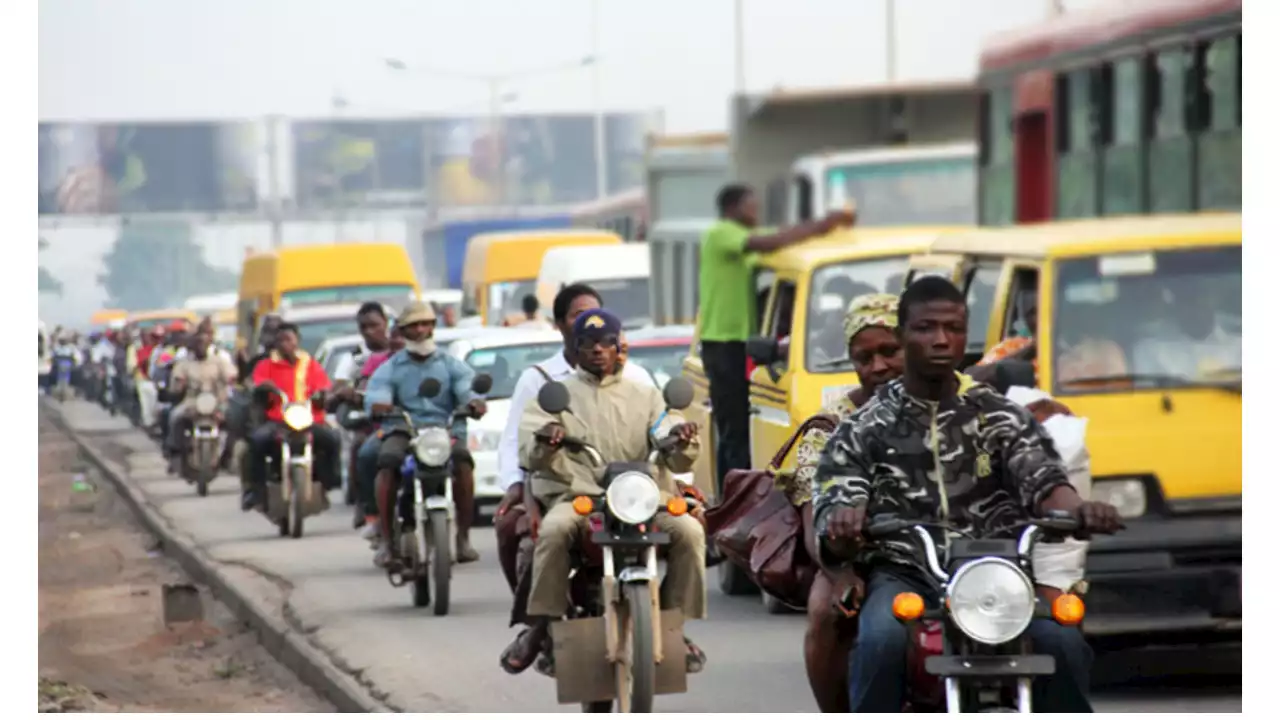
184,59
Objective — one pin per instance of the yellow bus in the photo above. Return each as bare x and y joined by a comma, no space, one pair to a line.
501,268
322,275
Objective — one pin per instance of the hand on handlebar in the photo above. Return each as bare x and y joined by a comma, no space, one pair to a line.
685,432
1099,517
382,409
477,408
552,434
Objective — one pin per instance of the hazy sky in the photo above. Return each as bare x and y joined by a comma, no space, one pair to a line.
156,59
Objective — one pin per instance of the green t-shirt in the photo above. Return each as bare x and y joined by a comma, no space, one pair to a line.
727,299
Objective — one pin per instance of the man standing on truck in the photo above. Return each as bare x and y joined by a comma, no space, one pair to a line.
727,309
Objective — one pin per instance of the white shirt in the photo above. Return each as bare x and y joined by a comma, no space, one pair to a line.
102,351
527,387
351,364
1173,353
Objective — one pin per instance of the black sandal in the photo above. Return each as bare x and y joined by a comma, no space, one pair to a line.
520,654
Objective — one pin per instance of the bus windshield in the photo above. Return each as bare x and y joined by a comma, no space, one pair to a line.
926,191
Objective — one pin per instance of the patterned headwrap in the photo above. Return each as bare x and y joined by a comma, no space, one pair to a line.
870,310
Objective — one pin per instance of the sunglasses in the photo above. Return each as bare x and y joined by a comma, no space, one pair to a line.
586,343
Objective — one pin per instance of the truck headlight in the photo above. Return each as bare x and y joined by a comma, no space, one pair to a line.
1128,495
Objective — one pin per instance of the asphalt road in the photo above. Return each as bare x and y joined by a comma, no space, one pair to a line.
418,662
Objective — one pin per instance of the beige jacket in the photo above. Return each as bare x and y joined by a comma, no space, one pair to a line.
614,415
213,374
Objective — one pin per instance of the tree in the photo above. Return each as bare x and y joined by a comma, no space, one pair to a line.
47,282
158,265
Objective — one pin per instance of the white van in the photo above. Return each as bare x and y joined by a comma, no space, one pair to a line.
620,273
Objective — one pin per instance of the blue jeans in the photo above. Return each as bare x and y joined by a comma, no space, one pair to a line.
878,663
367,473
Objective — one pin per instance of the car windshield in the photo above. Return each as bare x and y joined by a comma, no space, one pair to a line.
1148,319
663,362
627,298
504,364
505,299
908,192
313,333
391,294
831,291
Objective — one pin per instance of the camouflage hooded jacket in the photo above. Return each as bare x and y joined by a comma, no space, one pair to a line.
979,460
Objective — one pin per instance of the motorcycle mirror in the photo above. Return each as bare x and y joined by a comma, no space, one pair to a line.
553,398
429,388
481,384
678,393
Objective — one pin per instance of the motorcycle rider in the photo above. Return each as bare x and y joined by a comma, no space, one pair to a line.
395,386
198,372
569,303
65,348
616,416
371,321
934,444
292,371
101,350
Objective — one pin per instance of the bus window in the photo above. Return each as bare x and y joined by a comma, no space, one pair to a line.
1077,187
1219,141
1122,177
997,158
1169,155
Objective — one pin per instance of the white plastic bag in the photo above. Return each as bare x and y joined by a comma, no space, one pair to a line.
1061,565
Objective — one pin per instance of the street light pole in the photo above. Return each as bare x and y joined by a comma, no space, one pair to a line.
602,161
890,40
739,50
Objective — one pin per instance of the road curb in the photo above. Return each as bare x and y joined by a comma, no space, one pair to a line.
287,645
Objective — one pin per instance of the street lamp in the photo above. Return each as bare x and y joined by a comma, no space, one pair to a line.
495,81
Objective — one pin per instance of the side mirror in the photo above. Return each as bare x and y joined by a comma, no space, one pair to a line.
429,388
678,393
763,350
553,398
1010,373
481,383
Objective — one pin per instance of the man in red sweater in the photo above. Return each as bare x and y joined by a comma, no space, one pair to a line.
293,372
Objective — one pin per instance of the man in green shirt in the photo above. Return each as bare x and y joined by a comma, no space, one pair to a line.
727,310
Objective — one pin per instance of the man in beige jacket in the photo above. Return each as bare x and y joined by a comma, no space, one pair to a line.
617,416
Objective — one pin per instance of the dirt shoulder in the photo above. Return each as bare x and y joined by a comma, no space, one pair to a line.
103,644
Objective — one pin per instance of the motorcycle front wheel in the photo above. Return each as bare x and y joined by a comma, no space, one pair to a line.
298,476
442,563
643,670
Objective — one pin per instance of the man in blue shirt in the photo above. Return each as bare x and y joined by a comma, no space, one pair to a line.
394,388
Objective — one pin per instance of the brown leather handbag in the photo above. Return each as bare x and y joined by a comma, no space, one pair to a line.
758,529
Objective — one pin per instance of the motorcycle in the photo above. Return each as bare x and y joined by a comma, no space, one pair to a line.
204,444
612,644
62,368
293,494
426,549
971,653
107,398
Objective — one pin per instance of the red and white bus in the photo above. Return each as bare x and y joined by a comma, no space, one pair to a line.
1131,108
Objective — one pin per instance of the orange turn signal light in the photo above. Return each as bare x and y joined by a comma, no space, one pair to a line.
908,606
1068,609
583,505
677,506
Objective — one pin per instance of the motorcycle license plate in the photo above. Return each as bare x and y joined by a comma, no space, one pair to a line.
437,502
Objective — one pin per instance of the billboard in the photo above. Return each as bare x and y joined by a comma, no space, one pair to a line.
464,161
114,168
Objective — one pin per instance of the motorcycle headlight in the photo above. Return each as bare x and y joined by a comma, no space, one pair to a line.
991,600
1128,495
483,440
298,416
633,497
206,404
432,447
